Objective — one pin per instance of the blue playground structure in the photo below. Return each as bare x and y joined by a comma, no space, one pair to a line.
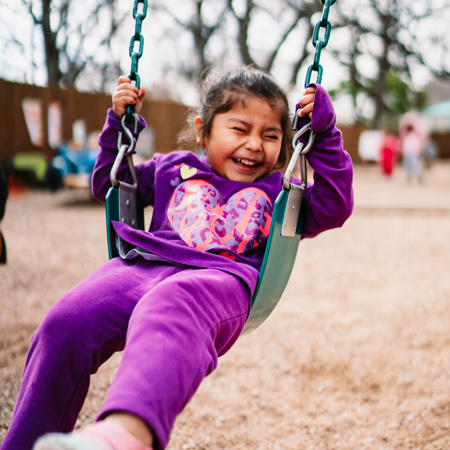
70,167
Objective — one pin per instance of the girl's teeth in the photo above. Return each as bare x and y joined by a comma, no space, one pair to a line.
246,162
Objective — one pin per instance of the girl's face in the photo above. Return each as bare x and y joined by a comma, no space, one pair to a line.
245,142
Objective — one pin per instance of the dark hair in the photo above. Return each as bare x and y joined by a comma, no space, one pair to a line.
221,95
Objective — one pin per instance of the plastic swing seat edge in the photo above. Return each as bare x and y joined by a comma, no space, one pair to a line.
112,213
112,204
276,268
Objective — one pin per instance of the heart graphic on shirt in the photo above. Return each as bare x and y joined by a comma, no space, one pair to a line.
196,213
175,182
187,172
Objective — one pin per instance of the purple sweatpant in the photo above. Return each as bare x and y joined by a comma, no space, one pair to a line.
172,322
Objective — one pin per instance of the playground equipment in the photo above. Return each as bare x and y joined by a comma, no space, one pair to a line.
71,167
123,204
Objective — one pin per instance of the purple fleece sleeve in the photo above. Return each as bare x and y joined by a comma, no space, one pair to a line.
107,155
329,200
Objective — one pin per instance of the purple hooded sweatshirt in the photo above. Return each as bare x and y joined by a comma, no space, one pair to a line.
203,220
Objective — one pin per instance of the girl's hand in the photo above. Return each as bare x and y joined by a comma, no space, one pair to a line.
306,103
125,94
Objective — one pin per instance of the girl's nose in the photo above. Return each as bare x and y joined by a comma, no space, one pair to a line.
254,143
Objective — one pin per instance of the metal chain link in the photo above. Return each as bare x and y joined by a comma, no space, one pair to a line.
300,149
130,116
135,55
318,43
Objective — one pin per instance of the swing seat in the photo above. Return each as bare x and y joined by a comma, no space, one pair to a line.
122,205
279,257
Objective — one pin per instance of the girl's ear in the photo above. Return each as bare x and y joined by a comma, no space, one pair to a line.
199,127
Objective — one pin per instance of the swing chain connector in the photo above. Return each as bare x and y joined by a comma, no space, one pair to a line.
300,150
131,139
125,150
295,191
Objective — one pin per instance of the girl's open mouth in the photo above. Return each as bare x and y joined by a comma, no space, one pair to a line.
246,162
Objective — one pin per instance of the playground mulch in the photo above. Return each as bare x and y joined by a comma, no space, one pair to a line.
355,356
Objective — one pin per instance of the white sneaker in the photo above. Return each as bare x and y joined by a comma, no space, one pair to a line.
99,436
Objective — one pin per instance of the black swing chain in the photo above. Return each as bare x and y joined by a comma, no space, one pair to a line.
319,45
135,55
130,115
300,150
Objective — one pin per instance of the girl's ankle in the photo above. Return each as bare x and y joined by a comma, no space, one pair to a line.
133,425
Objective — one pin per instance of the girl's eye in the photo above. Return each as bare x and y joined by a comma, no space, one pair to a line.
241,130
275,138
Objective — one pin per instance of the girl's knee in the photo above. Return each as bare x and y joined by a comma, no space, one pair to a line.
59,327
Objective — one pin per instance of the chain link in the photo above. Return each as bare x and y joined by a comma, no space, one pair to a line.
300,149
318,43
319,46
135,54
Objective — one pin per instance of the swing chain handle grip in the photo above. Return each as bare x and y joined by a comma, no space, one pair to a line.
300,150
125,150
131,139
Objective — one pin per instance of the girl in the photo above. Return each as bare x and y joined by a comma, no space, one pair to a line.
179,298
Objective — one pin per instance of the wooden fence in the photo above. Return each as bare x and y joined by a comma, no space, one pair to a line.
52,113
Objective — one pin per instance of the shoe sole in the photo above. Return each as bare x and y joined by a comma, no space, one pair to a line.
57,443
52,444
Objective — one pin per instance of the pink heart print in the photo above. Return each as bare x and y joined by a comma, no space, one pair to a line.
196,213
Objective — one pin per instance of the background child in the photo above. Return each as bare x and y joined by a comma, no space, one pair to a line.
180,297
412,139
412,146
388,153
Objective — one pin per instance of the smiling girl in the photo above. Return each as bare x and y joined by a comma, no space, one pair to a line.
177,296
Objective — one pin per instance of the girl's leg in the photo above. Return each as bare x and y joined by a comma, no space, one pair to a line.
80,332
176,333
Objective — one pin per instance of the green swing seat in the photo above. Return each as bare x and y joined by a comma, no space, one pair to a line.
122,200
123,205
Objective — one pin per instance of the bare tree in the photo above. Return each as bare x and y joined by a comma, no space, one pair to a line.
198,20
74,35
377,41
285,18
389,38
238,26
386,41
18,55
